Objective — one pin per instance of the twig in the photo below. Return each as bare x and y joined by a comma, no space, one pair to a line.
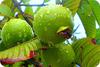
20,1
76,29
16,4
32,4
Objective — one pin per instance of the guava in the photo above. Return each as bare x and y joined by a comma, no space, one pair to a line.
53,24
62,56
16,31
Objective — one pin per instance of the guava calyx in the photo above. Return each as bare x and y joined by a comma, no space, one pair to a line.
65,33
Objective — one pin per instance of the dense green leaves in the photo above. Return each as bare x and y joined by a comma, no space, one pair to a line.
96,9
5,11
87,52
88,19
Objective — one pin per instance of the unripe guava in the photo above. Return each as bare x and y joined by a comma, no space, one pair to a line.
16,31
53,23
62,56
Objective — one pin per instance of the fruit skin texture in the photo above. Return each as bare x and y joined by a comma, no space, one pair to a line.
48,20
14,31
61,56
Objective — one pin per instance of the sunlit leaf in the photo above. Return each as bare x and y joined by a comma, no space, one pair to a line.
88,19
92,58
8,3
20,52
29,14
73,5
96,9
84,50
37,9
29,11
46,0
5,10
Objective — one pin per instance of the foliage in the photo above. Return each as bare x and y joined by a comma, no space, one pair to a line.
36,52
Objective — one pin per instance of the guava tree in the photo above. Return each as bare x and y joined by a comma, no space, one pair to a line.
38,38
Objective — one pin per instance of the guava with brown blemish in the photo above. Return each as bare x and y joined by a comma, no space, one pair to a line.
49,19
14,31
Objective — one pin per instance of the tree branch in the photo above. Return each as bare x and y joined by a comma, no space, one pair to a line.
16,4
32,4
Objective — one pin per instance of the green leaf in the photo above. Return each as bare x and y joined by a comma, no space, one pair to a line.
98,36
0,34
29,11
25,1
46,0
92,58
21,50
72,5
96,9
85,49
29,14
82,48
8,3
37,8
5,11
86,15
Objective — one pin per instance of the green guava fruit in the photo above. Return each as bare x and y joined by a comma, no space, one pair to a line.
62,56
53,24
16,31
